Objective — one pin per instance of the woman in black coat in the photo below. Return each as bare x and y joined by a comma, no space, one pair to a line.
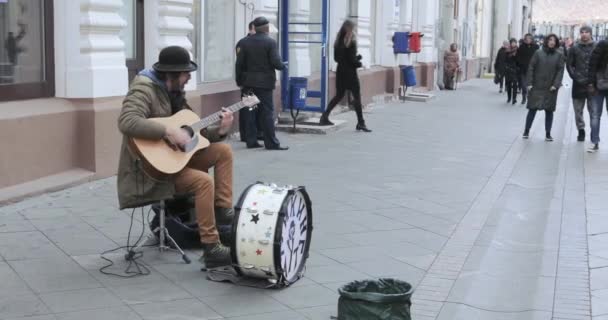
511,71
545,74
345,54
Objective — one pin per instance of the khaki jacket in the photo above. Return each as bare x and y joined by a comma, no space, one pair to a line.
146,98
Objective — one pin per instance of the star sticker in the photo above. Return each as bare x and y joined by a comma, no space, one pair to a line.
258,252
255,204
255,218
268,234
243,240
243,253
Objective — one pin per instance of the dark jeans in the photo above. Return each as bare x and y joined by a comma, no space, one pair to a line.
511,90
341,92
597,104
501,78
523,84
548,120
265,111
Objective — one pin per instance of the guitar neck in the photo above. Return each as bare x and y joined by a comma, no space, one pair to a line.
215,117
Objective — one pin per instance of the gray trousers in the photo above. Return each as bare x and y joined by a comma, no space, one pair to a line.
579,107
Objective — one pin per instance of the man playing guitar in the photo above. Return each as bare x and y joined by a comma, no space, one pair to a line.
159,92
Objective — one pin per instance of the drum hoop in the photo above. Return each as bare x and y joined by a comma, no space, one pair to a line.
235,225
282,279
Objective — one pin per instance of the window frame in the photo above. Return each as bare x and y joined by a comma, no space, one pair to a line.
40,89
240,31
136,64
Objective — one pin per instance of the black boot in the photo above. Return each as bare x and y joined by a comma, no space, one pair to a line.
361,126
324,121
224,216
526,134
581,135
215,255
548,136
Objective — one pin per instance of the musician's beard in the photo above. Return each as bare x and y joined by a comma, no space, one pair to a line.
175,86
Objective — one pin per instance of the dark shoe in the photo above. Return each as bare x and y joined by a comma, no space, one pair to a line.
257,145
500,91
362,127
594,148
526,134
581,135
324,121
261,138
548,137
524,101
278,148
215,255
509,100
514,101
224,216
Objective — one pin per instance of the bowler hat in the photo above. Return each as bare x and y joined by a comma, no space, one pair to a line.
174,59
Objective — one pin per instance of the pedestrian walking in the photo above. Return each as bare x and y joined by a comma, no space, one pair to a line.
451,65
577,65
345,54
598,86
524,54
511,70
544,77
499,65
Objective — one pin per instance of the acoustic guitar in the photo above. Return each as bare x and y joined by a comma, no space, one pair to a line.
161,158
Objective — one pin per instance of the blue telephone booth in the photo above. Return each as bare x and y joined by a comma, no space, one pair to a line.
298,93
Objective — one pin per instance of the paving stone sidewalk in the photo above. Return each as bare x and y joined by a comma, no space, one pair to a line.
444,195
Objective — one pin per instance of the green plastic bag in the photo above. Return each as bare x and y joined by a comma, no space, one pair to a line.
382,299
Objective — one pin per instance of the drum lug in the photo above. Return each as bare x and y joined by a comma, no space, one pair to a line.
250,210
264,242
268,212
248,266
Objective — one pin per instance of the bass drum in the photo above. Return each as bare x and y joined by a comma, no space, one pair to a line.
272,230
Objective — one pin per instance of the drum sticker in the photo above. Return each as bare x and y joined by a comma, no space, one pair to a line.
243,253
268,234
255,218
258,252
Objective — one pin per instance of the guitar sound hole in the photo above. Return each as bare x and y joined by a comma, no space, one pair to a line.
189,129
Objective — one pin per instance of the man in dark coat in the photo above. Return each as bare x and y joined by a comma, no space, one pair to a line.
256,62
598,85
524,55
244,113
578,68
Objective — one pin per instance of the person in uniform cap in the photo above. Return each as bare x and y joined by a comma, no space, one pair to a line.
159,92
256,62
244,113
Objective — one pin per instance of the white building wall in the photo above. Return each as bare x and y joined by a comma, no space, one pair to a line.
89,54
95,67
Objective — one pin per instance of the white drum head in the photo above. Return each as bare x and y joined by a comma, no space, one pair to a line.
294,241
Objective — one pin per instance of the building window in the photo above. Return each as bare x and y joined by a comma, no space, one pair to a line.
26,59
133,35
216,50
